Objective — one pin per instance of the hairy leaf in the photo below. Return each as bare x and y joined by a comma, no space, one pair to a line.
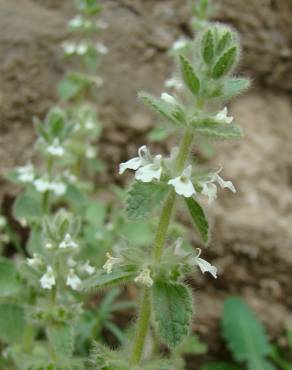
198,216
9,280
219,131
11,322
245,335
143,198
172,305
61,337
225,63
234,87
224,42
172,114
189,75
104,280
208,47
27,206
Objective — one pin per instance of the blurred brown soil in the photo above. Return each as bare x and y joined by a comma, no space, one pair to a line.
252,238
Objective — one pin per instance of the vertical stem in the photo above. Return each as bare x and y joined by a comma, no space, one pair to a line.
145,311
142,327
46,197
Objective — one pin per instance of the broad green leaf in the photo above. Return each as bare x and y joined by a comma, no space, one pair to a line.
143,198
235,86
221,366
198,216
189,75
225,63
173,114
12,323
61,337
259,363
173,309
245,336
219,131
75,198
28,206
192,345
68,88
35,242
9,279
96,213
159,133
103,280
208,47
137,233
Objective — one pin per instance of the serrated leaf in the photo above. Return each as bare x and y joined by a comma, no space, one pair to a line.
103,280
189,75
198,216
208,47
11,323
173,114
61,337
225,63
9,279
143,198
221,366
245,336
28,206
173,309
234,87
219,131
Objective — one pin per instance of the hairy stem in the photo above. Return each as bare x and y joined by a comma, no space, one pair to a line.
144,315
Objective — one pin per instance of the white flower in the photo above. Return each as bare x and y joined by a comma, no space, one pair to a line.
89,124
42,185
2,221
110,262
183,184
101,48
86,267
101,24
144,278
25,173
222,116
90,152
81,48
48,279
204,265
49,245
71,262
173,83
35,261
168,98
76,22
73,280
178,251
209,187
69,47
151,171
179,44
144,158
68,242
56,149
69,176
59,188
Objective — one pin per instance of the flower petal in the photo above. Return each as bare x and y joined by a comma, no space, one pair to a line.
225,184
131,164
183,186
205,266
148,173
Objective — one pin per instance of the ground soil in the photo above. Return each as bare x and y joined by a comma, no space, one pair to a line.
252,230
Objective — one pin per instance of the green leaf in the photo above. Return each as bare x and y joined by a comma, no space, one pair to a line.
173,114
143,198
68,88
96,213
61,338
198,216
28,206
259,363
12,323
208,47
104,280
159,133
221,366
35,242
189,75
245,336
224,42
219,131
9,279
192,345
234,87
173,309
225,63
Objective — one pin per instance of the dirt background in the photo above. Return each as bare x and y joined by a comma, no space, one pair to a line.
252,230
